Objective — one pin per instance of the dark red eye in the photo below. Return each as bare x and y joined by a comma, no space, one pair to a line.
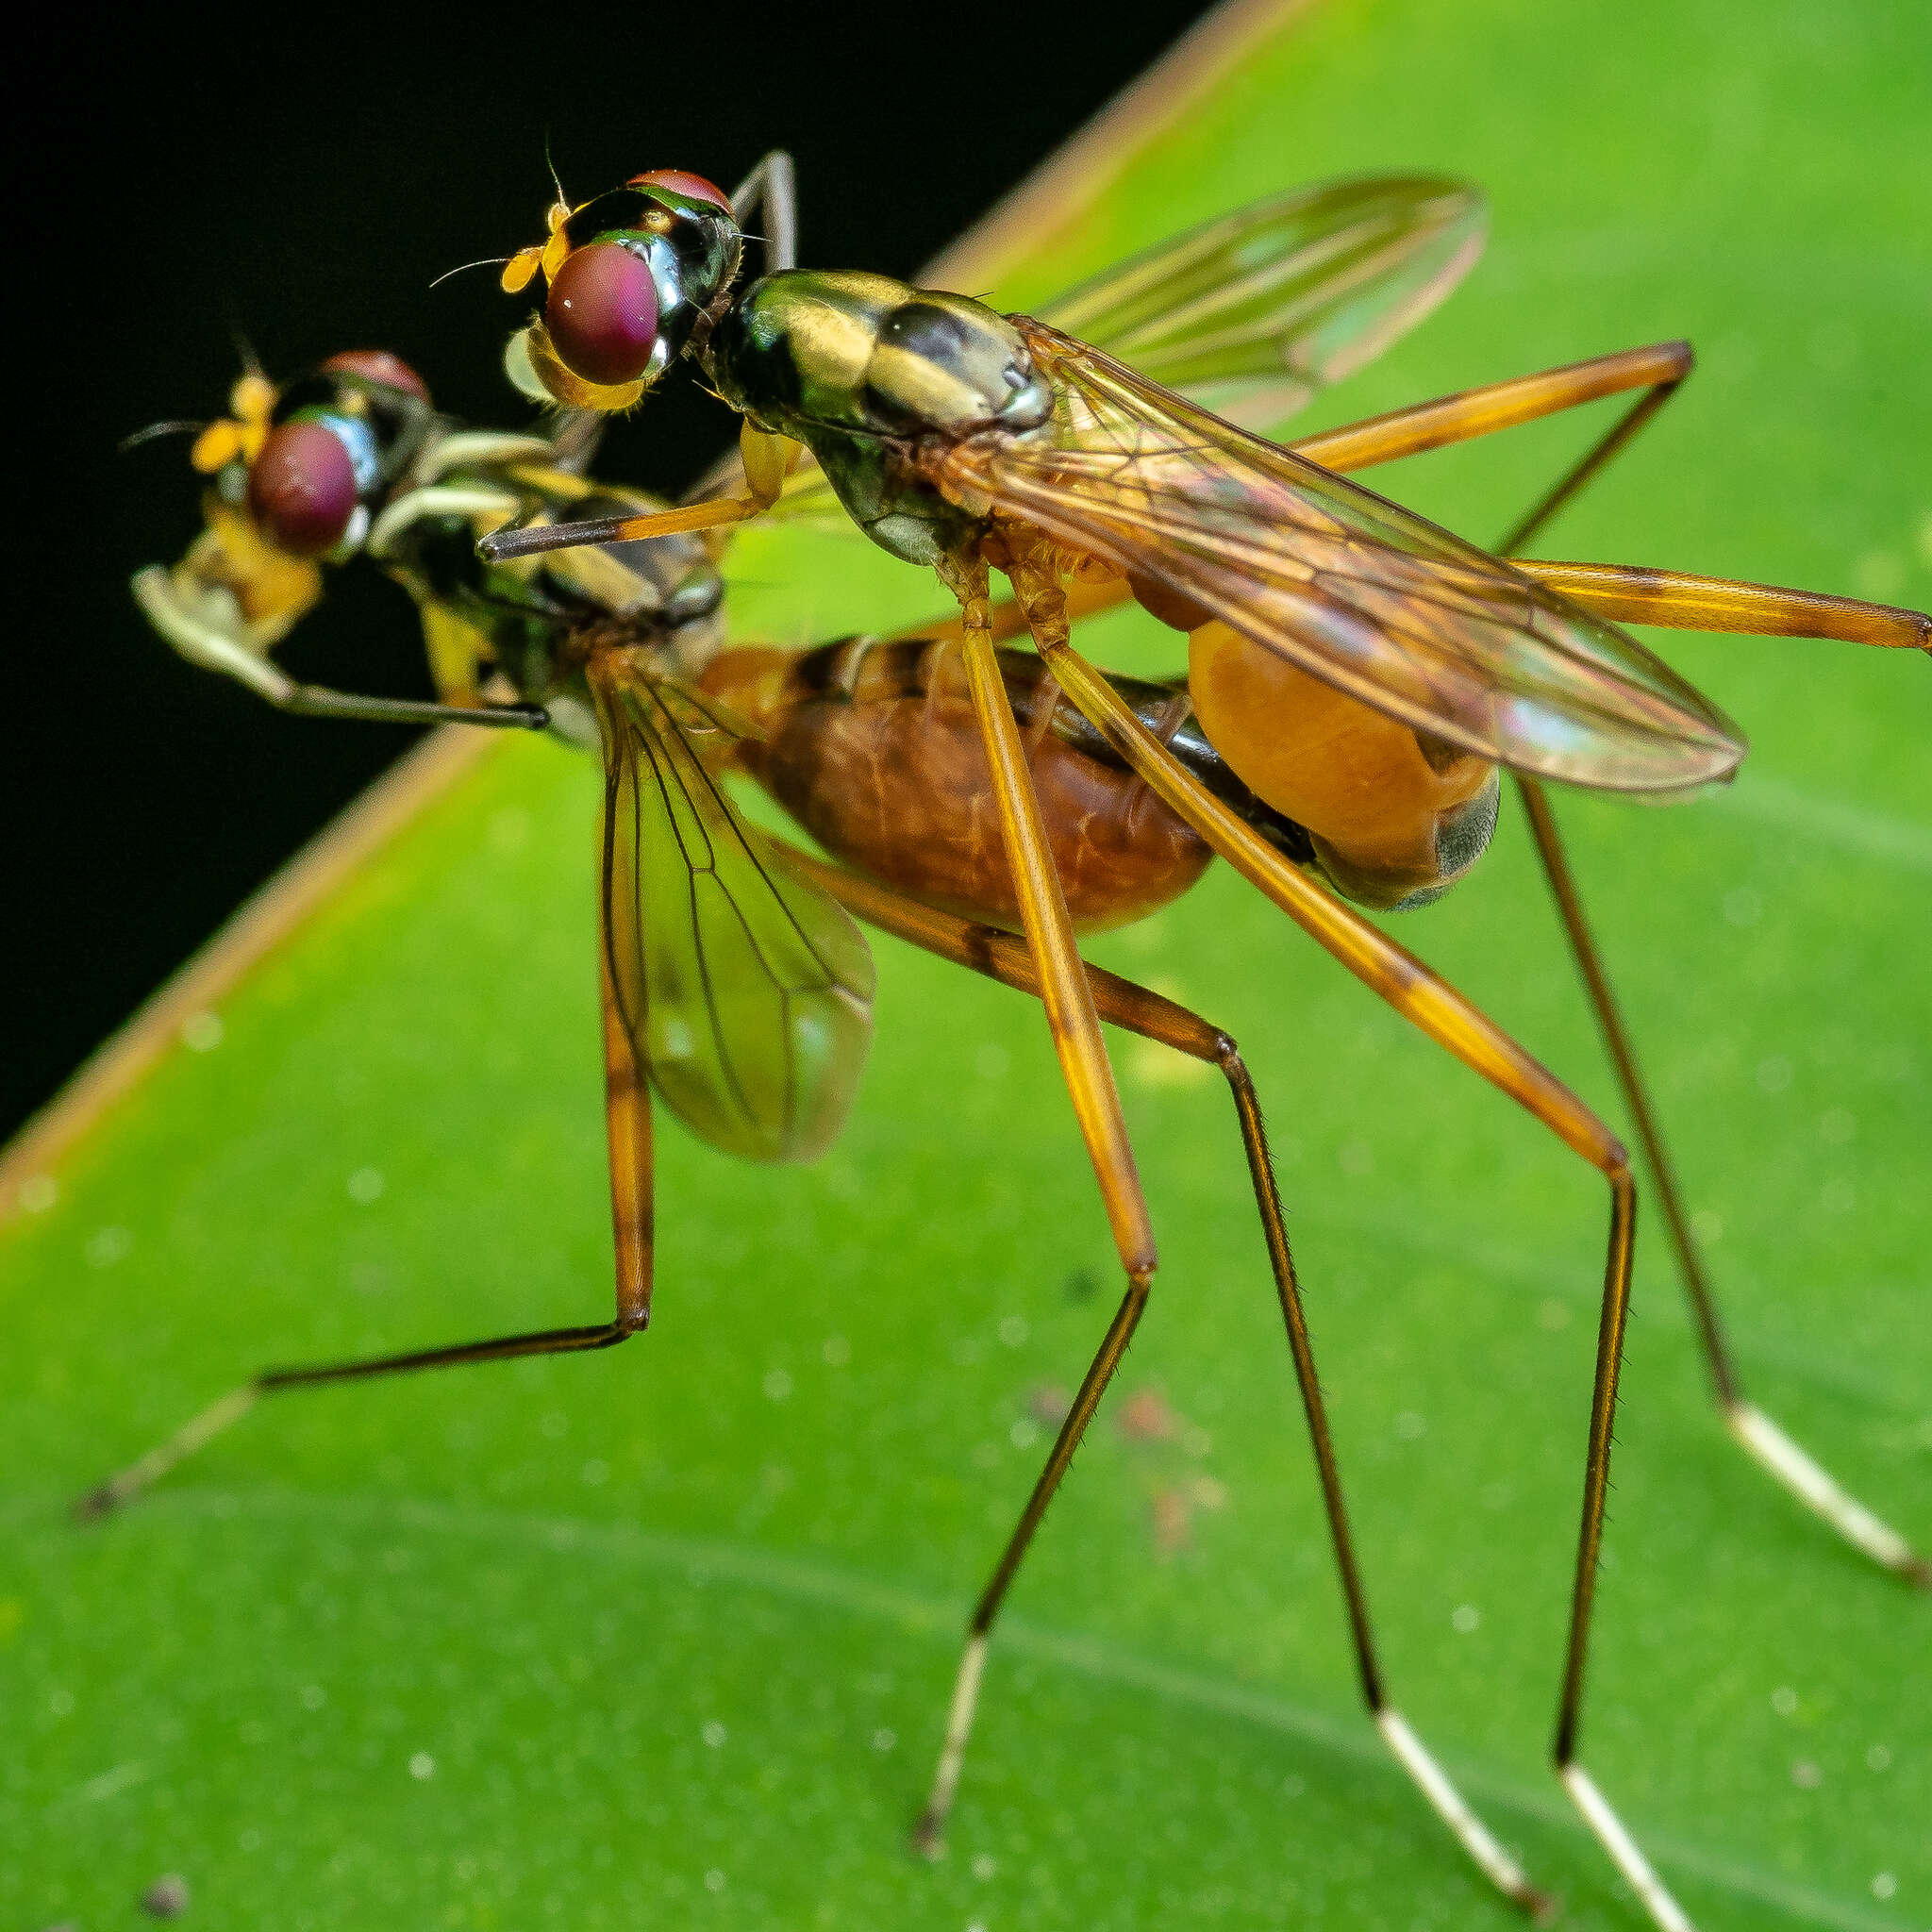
379,365
680,183
602,313
302,489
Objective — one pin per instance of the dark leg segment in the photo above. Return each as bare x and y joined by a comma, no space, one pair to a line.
1632,596
929,1836
318,700
628,1121
1003,956
1754,1431
1617,1043
1440,1012
232,1406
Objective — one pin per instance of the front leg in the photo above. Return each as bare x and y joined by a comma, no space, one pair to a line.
766,458
208,647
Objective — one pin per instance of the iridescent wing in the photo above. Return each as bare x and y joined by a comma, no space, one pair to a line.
746,990
1352,588
1251,314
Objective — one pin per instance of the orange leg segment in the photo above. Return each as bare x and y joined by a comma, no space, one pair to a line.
1472,412
628,1112
1430,1004
1677,600
999,956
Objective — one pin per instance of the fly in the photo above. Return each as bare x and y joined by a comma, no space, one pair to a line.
1362,671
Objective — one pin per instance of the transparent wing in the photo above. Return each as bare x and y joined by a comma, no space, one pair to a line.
746,991
1251,313
1355,590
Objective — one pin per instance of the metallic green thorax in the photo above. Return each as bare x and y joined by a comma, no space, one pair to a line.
859,367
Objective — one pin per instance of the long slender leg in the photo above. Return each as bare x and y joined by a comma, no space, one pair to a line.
1679,600
1066,993
1049,930
627,1111
1657,370
1638,595
1625,592
1430,1004
209,649
318,700
1119,1002
765,458
1754,1430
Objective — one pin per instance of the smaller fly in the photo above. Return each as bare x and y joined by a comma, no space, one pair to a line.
758,1022
352,460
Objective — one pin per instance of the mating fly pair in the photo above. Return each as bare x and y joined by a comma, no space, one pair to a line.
733,981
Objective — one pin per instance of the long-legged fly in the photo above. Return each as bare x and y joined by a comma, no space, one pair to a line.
1362,671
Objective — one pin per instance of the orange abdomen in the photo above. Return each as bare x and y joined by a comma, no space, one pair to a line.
1396,817
875,749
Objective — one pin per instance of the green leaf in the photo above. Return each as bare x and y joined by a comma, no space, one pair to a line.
664,1636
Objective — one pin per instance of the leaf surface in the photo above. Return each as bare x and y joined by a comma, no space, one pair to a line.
664,1635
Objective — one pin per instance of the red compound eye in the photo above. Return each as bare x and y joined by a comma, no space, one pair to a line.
602,313
302,489
379,365
680,183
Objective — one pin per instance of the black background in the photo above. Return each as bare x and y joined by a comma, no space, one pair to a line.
302,177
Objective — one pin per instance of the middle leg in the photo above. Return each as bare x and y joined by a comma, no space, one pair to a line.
1119,1002
1444,1016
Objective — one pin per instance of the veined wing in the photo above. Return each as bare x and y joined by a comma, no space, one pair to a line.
1253,312
1250,314
746,991
1355,590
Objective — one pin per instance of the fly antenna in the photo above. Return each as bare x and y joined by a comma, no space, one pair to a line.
482,262
154,431
556,179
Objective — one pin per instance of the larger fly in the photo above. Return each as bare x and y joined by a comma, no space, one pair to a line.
1360,668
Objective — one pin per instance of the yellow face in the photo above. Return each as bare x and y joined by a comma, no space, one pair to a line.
271,589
